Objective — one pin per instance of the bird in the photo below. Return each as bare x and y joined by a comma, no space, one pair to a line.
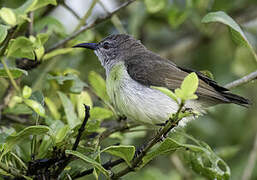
132,71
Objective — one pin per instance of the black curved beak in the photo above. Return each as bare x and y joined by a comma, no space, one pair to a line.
92,46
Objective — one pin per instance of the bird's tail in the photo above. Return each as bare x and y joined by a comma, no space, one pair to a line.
233,98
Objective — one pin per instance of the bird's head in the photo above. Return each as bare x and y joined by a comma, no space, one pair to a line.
114,48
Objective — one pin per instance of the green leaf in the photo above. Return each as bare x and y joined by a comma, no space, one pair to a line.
45,147
8,16
89,160
81,99
37,107
100,113
222,17
200,157
16,72
18,137
3,32
26,92
125,152
72,118
207,74
51,25
70,82
42,38
167,92
21,47
61,134
98,85
154,6
177,16
188,87
41,3
237,33
18,109
167,146
57,52
53,109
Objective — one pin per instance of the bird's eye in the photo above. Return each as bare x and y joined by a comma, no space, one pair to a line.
106,45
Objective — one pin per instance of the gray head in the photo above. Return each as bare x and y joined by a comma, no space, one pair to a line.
114,48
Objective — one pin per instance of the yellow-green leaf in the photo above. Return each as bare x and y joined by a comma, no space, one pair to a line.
53,109
167,92
98,85
90,161
71,116
26,92
188,87
37,107
125,152
18,137
3,32
81,99
8,16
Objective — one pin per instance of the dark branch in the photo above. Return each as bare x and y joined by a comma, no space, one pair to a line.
65,160
82,127
171,123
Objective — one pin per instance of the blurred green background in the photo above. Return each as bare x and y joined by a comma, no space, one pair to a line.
173,29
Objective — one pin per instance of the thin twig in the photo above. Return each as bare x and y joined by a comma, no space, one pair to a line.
107,165
251,162
243,80
88,26
115,19
31,23
10,75
82,127
172,123
71,10
65,161
85,17
118,128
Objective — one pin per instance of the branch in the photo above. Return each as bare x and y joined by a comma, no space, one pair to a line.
170,124
82,127
243,80
88,26
118,128
85,17
107,165
71,10
65,161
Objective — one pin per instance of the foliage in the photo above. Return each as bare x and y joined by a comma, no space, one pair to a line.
44,84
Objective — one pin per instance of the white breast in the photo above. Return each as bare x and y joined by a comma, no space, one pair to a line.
136,101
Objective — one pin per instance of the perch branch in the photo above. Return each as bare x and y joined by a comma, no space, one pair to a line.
171,123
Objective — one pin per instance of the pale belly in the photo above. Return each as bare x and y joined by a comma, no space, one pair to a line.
138,102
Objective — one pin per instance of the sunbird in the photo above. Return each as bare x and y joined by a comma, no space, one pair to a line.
132,71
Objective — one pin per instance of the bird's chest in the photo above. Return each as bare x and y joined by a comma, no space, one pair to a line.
134,100
116,84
